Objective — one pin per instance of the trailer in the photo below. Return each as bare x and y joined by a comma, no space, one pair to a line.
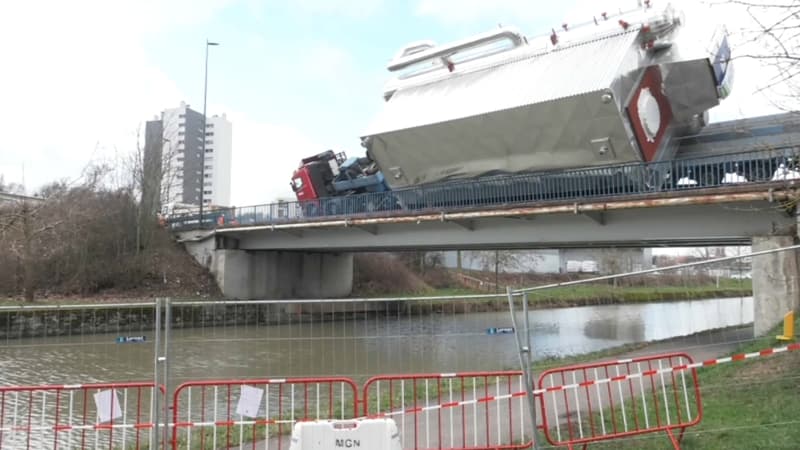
620,90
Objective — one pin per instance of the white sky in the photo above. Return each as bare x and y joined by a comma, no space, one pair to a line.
80,77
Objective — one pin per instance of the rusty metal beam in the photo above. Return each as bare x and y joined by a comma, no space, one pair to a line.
763,194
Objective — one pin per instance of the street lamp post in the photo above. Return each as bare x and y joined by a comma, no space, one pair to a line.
203,137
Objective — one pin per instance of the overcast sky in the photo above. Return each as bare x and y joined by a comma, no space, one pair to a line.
295,77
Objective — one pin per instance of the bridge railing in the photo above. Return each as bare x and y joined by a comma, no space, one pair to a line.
758,166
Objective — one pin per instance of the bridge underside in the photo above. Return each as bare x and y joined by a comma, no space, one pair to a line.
732,223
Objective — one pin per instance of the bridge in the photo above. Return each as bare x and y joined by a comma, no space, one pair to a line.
742,189
11,197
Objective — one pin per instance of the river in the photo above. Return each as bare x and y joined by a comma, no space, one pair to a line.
361,347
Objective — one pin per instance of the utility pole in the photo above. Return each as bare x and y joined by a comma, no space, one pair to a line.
203,148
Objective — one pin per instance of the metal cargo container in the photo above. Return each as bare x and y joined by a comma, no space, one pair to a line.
502,103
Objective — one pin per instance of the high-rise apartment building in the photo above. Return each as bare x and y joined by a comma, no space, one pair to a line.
186,170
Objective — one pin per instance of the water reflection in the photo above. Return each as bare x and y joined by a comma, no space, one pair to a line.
362,346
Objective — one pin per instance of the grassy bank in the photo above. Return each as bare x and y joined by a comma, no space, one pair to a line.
747,405
582,295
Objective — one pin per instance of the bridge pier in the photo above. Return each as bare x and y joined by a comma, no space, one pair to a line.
272,274
776,282
263,274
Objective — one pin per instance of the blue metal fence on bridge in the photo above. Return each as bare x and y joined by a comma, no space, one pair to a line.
634,179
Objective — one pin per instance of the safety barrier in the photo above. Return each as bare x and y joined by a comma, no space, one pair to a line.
475,410
579,405
112,415
220,414
770,165
608,400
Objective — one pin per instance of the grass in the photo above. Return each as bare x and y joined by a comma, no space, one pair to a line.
633,294
747,405
580,295
562,296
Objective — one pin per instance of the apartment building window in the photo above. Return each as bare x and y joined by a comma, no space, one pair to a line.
209,150
209,125
180,159
180,142
208,167
206,192
207,183
209,141
210,133
181,116
181,133
208,175
181,124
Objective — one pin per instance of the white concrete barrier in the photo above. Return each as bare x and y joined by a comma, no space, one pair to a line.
367,434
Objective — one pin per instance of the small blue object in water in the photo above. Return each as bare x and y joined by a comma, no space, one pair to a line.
502,330
129,339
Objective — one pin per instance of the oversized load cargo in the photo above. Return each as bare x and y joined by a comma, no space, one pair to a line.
500,103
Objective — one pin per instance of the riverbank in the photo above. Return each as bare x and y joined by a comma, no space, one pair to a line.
574,296
748,404
82,316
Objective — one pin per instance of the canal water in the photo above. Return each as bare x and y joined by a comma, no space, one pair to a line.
360,347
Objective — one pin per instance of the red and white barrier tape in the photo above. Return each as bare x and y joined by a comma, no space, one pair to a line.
565,387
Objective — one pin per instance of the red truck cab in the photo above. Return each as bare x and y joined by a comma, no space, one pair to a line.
302,185
314,178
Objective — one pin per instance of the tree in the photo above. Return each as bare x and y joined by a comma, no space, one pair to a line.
21,229
772,36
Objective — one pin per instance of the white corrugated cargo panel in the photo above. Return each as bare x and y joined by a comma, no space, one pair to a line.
537,78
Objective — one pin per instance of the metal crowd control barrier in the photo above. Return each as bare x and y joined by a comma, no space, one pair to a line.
429,412
112,415
256,412
617,399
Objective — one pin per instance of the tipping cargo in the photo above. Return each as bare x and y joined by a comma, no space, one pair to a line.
620,89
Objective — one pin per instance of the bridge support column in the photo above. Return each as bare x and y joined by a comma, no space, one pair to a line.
775,282
275,275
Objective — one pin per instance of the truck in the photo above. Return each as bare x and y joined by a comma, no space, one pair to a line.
617,90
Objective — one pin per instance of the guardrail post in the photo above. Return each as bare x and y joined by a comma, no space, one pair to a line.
154,400
165,373
525,359
160,412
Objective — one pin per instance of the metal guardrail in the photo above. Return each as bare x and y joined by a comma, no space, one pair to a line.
760,166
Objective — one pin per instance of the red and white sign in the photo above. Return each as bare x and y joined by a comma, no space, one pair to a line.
650,113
